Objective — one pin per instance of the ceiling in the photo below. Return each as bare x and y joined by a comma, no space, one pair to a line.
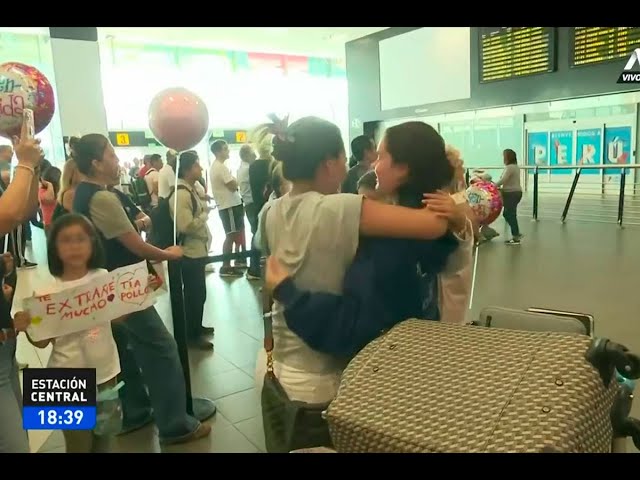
310,41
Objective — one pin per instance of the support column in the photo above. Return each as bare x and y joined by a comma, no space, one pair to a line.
79,95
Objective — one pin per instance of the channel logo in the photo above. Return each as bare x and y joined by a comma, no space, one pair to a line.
627,75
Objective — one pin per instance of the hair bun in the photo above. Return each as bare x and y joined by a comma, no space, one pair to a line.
454,156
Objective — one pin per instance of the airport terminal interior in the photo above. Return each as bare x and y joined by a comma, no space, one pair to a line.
499,103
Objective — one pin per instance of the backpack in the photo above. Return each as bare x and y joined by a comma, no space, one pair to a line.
142,196
162,232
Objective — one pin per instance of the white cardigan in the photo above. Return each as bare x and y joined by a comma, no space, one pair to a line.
454,282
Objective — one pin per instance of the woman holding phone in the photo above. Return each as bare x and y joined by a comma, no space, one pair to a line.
18,202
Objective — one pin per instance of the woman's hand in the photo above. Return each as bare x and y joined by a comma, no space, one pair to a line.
21,320
174,253
143,223
443,205
7,291
275,274
154,282
28,150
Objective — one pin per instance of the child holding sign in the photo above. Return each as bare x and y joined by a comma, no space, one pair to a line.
75,257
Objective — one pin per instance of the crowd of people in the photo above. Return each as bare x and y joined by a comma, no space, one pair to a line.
341,267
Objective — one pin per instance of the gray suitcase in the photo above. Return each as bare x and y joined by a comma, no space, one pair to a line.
431,387
544,319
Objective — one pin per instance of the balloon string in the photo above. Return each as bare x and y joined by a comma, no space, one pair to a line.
175,202
473,277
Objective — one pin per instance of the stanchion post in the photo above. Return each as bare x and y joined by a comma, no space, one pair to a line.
535,193
623,180
576,178
179,325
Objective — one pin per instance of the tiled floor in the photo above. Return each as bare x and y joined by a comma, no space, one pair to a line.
591,268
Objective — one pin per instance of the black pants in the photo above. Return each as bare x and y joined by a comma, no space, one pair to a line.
17,245
195,295
252,215
510,212
152,374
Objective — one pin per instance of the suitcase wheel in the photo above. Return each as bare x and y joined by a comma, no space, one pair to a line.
607,356
629,366
632,429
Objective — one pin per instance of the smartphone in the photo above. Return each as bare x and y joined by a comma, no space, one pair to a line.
29,122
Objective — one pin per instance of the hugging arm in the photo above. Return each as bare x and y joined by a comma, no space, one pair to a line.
339,325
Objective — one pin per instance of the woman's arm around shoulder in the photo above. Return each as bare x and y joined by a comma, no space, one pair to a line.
338,325
383,220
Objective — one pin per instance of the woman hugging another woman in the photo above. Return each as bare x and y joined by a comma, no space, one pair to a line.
316,235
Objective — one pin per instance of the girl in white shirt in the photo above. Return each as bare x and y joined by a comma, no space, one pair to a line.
75,255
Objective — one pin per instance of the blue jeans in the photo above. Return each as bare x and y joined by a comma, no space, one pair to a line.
149,357
13,439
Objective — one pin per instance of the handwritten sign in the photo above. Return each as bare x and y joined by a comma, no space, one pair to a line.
105,298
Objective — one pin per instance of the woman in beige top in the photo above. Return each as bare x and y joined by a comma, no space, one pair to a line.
195,238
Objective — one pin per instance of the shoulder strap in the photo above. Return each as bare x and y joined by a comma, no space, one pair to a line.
267,299
194,201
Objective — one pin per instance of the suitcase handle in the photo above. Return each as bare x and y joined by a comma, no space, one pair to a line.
586,320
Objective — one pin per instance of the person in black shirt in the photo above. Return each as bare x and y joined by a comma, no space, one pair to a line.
363,151
260,172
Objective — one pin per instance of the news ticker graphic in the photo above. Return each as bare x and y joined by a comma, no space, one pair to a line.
59,398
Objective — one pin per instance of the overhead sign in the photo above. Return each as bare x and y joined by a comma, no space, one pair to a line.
241,137
130,139
122,139
594,45
512,52
230,136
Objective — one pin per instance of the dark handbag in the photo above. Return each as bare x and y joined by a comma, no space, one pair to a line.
288,424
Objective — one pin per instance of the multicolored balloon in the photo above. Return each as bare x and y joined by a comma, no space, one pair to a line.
485,201
23,86
178,118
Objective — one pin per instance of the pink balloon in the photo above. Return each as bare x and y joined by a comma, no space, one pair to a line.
485,201
178,118
23,86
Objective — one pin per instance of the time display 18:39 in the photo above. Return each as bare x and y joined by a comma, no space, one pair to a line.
59,418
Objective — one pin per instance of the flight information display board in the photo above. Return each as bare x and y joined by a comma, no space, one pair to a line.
594,45
511,52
